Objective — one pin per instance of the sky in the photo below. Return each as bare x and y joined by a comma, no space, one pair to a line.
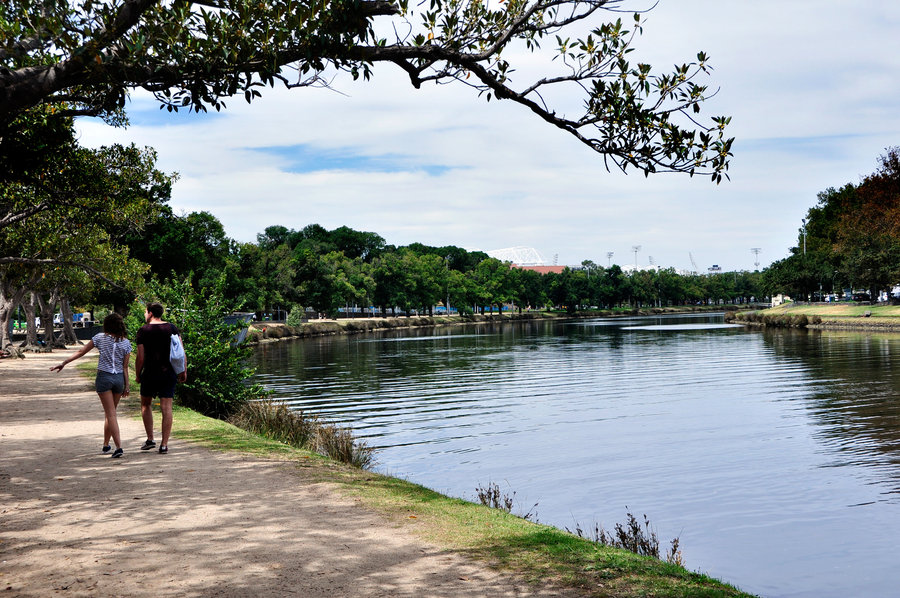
812,86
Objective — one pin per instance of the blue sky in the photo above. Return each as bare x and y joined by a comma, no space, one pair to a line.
813,88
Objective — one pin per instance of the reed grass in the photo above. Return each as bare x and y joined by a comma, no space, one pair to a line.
276,421
633,537
491,497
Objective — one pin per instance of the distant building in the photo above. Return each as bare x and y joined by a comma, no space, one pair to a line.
779,299
541,269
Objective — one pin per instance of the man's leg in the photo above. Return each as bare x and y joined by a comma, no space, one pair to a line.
147,416
165,406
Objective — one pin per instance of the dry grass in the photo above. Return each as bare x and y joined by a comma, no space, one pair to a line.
278,422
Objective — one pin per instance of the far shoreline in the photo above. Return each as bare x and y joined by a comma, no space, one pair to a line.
263,332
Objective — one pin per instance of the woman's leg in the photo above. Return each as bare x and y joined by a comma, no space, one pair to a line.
106,431
110,422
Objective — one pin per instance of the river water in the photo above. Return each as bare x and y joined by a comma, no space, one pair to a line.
773,455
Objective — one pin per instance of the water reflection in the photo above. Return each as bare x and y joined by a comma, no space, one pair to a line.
855,399
774,455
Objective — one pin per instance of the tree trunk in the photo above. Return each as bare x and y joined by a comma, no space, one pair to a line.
67,336
7,306
31,341
9,300
47,308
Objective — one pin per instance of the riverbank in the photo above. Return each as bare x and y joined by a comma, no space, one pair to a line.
261,332
227,513
826,316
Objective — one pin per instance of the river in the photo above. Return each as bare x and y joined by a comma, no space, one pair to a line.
773,455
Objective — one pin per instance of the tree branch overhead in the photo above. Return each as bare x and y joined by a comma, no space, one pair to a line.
196,55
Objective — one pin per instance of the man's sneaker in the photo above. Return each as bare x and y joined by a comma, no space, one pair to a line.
117,453
106,449
163,450
148,444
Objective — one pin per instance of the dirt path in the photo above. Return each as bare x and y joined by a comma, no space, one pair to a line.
194,522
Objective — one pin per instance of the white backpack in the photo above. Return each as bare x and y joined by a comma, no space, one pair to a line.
177,357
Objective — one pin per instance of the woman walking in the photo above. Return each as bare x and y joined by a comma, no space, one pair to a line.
112,374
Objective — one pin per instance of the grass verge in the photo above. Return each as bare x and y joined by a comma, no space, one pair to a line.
837,310
839,316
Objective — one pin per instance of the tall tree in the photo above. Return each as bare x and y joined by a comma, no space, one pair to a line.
84,57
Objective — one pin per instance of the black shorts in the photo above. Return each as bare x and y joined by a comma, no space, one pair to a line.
163,388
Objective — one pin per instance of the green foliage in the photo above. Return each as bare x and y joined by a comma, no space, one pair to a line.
134,318
850,238
296,316
218,375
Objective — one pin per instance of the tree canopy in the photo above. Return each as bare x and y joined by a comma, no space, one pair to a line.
852,238
84,57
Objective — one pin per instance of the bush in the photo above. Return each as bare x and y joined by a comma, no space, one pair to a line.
296,317
218,374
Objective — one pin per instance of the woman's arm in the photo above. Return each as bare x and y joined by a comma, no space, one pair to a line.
81,353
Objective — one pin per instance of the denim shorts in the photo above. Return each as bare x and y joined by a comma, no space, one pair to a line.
106,381
164,388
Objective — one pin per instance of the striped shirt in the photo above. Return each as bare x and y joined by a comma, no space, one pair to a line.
112,352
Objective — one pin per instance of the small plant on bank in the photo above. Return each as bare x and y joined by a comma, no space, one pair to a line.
634,537
492,497
275,420
338,443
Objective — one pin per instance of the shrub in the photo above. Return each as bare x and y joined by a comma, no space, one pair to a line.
296,316
217,370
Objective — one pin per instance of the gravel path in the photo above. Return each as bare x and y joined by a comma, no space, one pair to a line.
194,522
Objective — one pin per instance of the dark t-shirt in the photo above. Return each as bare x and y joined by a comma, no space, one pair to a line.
156,339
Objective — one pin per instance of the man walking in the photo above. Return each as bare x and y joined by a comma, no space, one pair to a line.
155,373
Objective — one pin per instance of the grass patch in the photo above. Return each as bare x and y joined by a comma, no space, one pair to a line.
831,316
837,310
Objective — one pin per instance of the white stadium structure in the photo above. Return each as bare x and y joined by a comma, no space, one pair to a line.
520,256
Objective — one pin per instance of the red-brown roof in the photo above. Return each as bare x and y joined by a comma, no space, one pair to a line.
542,269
